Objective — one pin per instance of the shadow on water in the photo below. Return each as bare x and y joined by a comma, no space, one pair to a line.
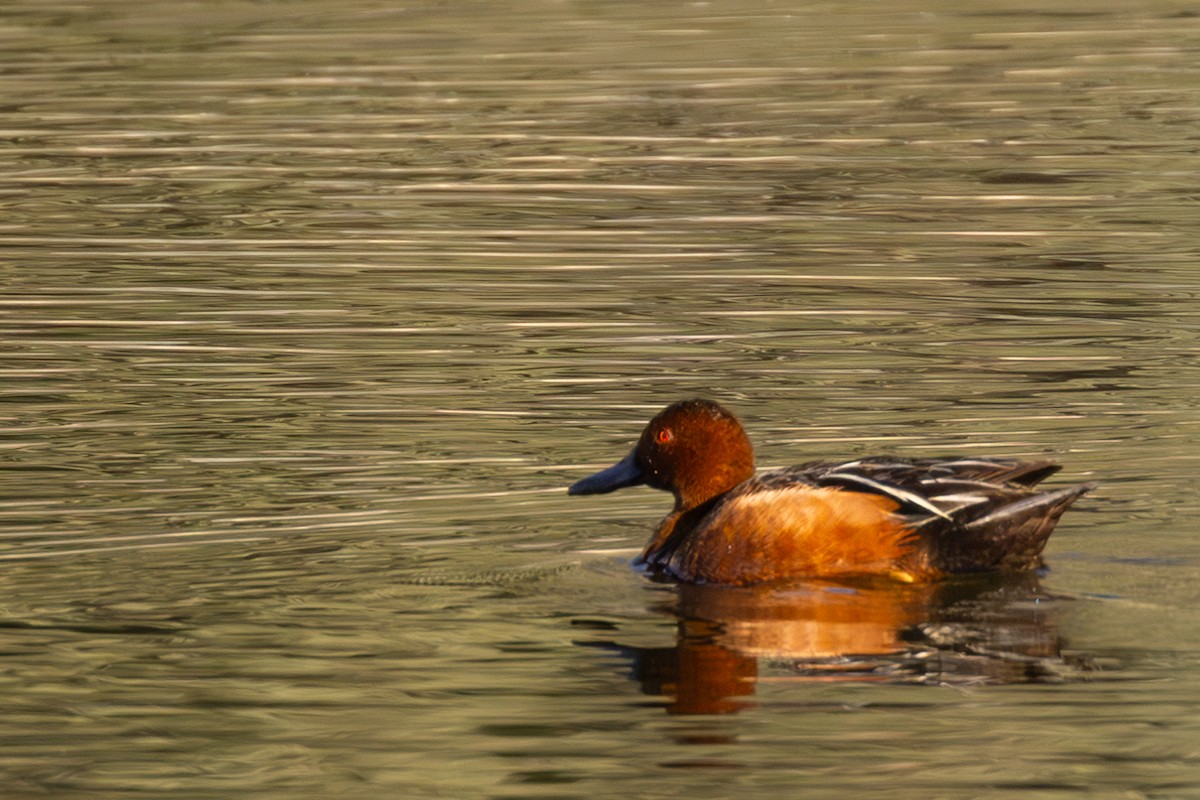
965,632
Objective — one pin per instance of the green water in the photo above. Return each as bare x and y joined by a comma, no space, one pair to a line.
309,312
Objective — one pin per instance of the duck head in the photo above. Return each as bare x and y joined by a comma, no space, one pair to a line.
695,449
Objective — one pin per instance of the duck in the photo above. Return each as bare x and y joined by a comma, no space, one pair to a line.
916,520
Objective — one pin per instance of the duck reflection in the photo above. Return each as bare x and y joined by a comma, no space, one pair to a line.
964,632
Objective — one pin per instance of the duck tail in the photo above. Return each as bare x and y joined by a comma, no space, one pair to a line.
1008,537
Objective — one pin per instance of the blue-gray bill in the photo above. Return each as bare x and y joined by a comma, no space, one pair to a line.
625,472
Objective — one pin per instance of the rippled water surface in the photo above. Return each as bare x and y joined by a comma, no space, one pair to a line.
309,312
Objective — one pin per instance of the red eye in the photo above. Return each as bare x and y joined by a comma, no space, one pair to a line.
664,436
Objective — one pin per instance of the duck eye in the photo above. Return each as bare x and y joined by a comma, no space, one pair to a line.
664,436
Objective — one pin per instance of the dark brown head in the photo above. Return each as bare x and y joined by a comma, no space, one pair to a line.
694,449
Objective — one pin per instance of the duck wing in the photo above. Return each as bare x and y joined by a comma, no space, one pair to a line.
967,514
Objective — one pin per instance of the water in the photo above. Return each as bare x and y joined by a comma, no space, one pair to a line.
309,315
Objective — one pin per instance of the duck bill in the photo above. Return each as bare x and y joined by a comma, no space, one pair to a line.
624,473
